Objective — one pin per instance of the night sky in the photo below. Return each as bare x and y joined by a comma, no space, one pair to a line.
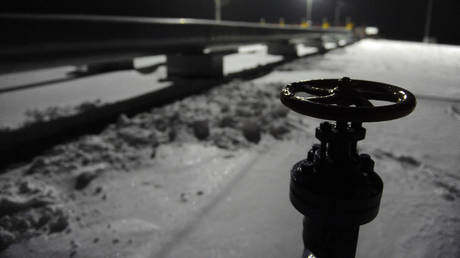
396,19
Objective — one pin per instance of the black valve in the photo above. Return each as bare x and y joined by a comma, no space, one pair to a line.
335,187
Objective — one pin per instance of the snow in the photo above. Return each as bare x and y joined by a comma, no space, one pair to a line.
13,105
134,142
424,69
417,156
23,78
103,88
208,175
241,61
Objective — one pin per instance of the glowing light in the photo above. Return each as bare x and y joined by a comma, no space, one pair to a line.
371,30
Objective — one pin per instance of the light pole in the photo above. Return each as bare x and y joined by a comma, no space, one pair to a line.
309,6
429,8
338,6
217,10
218,4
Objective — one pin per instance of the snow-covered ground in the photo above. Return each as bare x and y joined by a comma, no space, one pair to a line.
208,175
104,88
60,90
424,69
418,156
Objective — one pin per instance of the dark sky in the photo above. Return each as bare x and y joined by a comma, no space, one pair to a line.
396,19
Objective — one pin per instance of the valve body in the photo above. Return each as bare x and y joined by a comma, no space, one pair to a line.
336,189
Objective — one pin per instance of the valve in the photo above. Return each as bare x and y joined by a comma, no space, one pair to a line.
335,187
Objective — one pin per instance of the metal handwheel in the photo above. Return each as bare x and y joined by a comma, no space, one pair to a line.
335,187
348,100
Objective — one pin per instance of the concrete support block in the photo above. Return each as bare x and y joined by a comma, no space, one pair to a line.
195,65
318,43
282,48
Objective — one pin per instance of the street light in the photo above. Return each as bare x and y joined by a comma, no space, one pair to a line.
218,8
338,6
426,36
309,6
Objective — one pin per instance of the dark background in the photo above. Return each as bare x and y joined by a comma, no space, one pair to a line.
396,19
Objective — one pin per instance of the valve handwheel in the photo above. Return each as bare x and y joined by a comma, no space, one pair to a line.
348,100
335,187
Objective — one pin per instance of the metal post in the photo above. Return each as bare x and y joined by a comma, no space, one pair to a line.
426,36
338,6
217,10
309,7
